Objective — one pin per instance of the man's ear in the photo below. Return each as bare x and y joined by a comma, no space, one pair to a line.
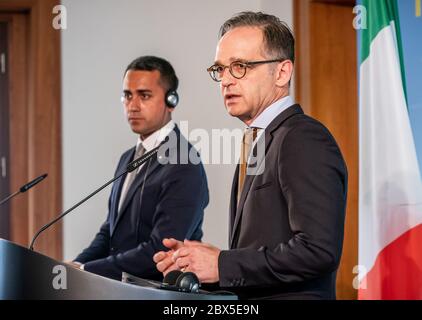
284,73
169,109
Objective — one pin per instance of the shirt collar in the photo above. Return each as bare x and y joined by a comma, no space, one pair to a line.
157,137
271,112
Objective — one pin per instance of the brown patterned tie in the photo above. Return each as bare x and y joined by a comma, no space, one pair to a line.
247,142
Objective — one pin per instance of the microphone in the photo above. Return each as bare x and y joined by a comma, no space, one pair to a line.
130,167
25,188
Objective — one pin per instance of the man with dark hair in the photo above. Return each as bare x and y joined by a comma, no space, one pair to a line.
168,79
287,208
157,200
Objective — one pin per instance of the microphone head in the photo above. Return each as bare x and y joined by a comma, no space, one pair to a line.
171,277
144,158
32,183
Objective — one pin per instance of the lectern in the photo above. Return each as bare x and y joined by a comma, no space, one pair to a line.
25,274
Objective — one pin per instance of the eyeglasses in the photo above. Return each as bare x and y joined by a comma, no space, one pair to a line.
237,68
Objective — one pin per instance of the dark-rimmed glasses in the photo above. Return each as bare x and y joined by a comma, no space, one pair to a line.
237,68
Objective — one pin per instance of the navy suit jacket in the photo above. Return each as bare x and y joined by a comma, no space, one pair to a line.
168,202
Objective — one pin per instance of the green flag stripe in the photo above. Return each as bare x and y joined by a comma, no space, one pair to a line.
379,15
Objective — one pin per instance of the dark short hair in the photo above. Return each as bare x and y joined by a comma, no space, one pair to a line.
278,38
168,78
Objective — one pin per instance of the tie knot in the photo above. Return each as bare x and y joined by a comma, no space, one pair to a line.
250,134
140,150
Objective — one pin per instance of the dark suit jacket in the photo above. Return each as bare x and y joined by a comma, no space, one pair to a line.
286,234
171,205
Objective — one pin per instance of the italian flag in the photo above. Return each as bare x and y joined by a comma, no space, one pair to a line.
390,189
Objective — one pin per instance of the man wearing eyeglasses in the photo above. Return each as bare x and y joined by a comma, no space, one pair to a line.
161,198
286,220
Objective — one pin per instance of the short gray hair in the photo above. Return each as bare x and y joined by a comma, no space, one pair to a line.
278,38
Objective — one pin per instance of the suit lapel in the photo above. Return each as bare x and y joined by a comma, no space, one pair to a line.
275,124
142,177
233,202
149,166
114,205
246,187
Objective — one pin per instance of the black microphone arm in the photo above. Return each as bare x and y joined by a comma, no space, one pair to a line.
130,167
25,188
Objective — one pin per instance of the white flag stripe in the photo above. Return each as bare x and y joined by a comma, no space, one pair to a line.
390,189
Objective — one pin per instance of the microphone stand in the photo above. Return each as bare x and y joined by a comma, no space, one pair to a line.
25,188
9,197
130,167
